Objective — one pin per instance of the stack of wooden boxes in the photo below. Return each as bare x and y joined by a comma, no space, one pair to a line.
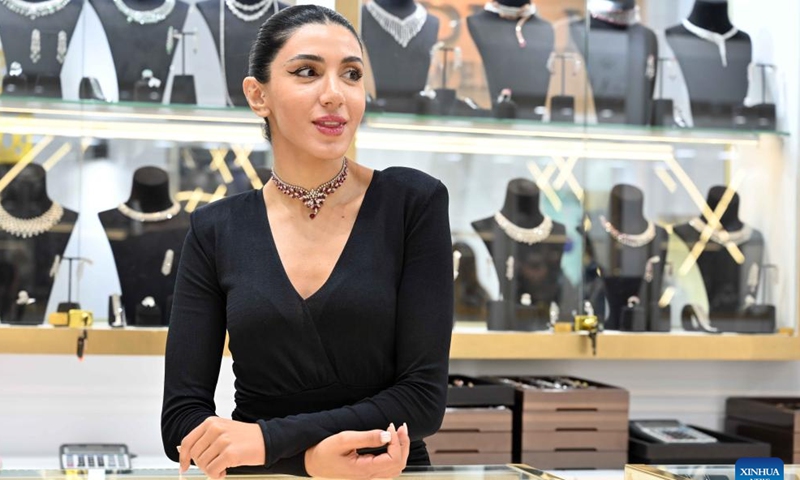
772,420
571,423
478,425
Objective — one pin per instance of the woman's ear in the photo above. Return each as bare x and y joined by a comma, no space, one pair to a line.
256,96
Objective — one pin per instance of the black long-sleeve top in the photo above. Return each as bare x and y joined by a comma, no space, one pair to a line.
370,347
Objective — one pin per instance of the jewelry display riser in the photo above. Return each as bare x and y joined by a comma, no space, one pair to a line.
585,426
769,419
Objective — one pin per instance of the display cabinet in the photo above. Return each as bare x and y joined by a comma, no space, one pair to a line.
593,173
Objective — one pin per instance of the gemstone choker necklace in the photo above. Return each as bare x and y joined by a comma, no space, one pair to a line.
35,10
314,198
611,12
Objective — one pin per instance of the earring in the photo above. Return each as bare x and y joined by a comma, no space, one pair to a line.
36,45
61,48
166,265
510,268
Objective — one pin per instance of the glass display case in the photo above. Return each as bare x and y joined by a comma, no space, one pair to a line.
476,472
693,472
617,160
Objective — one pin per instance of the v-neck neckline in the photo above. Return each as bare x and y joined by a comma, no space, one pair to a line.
273,247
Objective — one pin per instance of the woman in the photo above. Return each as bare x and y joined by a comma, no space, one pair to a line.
334,283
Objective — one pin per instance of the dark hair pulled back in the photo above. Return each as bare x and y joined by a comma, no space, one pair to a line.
275,32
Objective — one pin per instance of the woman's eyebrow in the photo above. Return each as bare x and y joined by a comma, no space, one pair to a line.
316,58
307,56
353,59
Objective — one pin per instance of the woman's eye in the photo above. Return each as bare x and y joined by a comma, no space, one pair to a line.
354,74
304,72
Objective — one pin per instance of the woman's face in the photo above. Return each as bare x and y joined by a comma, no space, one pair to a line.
315,94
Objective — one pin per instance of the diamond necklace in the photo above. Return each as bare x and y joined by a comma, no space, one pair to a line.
146,17
35,10
241,10
402,30
720,235
314,198
31,227
630,239
149,216
528,236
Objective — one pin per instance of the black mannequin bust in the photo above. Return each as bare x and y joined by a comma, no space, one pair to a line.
626,268
726,281
39,46
507,64
26,264
621,64
716,88
534,269
239,35
141,248
136,48
397,88
469,295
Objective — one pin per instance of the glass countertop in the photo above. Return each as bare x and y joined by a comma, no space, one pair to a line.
474,472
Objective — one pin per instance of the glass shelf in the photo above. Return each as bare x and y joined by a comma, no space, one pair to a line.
477,472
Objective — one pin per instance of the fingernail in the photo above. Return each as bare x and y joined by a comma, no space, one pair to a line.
386,437
391,426
405,425
179,448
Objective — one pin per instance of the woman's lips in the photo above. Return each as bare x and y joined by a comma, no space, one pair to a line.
330,127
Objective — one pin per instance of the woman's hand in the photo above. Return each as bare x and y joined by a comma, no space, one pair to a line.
219,443
336,456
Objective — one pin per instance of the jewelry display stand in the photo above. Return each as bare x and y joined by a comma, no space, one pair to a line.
513,64
620,56
562,106
139,40
470,298
526,248
234,29
732,286
146,234
628,252
398,32
34,232
36,37
714,57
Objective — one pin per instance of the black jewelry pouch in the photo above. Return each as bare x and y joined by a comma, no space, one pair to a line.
183,91
632,319
148,316
90,89
562,109
659,318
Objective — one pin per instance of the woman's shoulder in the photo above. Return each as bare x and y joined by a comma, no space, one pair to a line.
409,183
222,211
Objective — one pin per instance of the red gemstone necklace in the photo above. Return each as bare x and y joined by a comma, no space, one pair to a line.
314,198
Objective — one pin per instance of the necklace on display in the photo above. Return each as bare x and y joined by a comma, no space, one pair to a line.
35,10
521,14
403,30
611,12
249,13
717,38
630,239
146,17
150,216
720,235
31,227
527,236
314,198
